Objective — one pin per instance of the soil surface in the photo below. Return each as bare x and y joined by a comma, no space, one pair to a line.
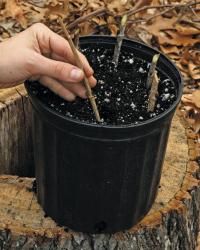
121,95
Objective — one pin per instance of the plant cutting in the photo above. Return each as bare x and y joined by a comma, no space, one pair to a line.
76,38
102,177
119,40
152,83
79,64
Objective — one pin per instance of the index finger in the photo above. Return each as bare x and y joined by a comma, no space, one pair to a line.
61,47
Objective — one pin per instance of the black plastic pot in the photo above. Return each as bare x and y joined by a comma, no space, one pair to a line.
95,178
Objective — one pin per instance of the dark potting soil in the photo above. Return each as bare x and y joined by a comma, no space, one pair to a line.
121,95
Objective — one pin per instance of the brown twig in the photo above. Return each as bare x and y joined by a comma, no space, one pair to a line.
139,4
86,17
134,10
192,23
159,14
193,11
181,14
135,21
80,65
153,93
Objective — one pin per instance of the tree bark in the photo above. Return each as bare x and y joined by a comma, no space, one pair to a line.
172,222
15,132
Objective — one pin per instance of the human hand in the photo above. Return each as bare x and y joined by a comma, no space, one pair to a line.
40,54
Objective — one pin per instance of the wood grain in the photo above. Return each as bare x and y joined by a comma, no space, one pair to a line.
15,132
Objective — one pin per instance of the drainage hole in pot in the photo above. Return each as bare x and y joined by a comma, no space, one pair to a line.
100,226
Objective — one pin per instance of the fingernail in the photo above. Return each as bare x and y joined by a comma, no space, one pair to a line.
70,98
94,81
76,74
92,71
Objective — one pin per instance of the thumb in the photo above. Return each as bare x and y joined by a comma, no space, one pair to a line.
60,70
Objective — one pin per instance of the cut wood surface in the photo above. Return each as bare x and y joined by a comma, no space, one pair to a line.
172,223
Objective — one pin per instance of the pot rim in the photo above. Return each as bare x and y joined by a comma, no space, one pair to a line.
98,125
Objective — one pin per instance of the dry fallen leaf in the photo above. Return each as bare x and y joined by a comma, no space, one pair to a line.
99,21
186,30
185,58
113,29
77,6
195,55
194,71
192,99
95,4
192,116
160,24
118,6
14,10
173,38
58,9
86,29
170,49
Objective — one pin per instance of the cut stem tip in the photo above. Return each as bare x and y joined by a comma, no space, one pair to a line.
80,65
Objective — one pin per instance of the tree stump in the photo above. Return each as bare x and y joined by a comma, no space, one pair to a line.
15,132
172,222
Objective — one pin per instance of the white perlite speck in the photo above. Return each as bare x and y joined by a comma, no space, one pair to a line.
107,100
101,82
172,96
141,70
69,114
107,94
131,61
165,97
133,105
158,106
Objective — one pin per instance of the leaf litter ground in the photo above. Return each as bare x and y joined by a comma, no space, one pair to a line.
172,26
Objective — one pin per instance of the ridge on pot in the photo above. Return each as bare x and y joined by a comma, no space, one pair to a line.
100,178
